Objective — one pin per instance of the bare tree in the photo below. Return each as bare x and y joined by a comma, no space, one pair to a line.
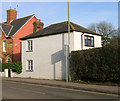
106,29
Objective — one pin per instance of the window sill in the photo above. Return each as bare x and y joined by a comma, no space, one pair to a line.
29,70
29,51
89,46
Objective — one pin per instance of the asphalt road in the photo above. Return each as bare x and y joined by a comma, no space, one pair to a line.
14,90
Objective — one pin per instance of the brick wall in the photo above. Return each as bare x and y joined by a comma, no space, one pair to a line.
9,48
0,46
11,15
26,30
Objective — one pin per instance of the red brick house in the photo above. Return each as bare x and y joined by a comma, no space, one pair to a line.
12,31
0,48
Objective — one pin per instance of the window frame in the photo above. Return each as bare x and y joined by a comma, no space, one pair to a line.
4,46
29,46
29,66
89,38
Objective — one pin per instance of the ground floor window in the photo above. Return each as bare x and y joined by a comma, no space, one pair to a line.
29,66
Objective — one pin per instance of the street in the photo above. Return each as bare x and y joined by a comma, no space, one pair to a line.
15,90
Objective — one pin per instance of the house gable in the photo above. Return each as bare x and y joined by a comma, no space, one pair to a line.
19,23
6,29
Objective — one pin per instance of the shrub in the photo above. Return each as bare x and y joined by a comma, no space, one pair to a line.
98,64
7,66
16,67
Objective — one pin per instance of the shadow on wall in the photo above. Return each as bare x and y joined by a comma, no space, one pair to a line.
57,57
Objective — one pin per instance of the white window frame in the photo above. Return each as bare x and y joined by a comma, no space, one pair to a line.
29,66
4,46
30,45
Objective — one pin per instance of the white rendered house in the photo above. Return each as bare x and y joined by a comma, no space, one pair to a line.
43,51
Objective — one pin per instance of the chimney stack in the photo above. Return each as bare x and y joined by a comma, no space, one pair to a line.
37,25
11,15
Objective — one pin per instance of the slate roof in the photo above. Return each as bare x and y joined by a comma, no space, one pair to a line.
15,25
6,28
18,23
57,29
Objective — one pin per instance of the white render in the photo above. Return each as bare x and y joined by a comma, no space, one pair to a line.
48,54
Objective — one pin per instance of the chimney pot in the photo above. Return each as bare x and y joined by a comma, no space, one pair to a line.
39,20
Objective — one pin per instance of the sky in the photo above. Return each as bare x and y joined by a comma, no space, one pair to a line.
81,13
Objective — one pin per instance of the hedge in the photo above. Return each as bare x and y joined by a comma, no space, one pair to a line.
98,64
16,67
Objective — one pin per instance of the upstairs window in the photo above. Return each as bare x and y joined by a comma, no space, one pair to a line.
4,46
30,45
89,41
29,66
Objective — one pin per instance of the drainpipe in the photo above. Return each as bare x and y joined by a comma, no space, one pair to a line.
82,41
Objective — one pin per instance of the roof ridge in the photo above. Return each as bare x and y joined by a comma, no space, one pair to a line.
24,17
6,24
72,26
85,28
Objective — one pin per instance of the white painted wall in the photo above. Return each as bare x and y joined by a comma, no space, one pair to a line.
97,41
48,57
48,54
79,45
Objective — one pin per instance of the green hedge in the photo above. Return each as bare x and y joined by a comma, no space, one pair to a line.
98,64
16,67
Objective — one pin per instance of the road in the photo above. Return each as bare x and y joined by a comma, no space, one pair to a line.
15,90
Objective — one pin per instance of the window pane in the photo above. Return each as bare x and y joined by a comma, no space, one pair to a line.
30,65
4,46
85,40
30,45
88,42
88,37
92,42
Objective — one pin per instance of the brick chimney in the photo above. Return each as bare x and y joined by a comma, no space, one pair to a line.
37,25
11,15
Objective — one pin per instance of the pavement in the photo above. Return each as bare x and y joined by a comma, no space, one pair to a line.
71,85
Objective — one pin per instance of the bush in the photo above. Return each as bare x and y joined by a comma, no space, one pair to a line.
98,64
16,67
7,66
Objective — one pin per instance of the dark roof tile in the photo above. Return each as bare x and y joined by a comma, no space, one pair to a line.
6,28
57,29
18,23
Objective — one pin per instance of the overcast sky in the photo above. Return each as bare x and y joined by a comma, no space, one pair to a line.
82,13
